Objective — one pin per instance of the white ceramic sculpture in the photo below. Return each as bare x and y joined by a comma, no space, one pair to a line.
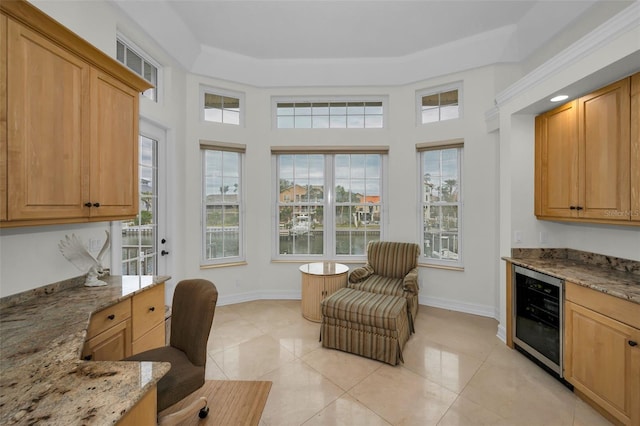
75,252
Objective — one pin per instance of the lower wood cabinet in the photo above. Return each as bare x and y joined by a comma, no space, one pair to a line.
144,413
129,327
602,352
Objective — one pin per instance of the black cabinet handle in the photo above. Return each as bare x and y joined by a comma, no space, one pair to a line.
112,317
87,204
153,308
96,204
579,208
164,253
163,241
572,207
632,343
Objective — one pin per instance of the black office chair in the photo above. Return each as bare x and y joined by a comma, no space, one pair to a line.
194,303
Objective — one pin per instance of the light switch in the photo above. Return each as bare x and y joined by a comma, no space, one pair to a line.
543,236
517,236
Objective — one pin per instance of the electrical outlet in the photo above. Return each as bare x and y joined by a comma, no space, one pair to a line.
517,236
94,244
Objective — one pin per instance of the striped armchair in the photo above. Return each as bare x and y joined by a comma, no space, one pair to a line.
391,269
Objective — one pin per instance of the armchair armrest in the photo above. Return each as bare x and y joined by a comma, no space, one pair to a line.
360,274
410,282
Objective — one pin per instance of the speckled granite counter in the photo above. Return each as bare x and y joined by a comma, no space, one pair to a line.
43,379
611,275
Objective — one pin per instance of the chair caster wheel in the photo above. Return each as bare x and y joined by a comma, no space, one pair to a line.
203,412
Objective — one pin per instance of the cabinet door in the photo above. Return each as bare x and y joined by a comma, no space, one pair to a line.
46,159
333,283
113,344
635,147
3,118
600,361
114,148
604,153
556,171
148,312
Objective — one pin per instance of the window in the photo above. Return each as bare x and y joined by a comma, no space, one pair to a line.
329,204
439,104
140,65
139,236
222,203
441,213
325,114
221,106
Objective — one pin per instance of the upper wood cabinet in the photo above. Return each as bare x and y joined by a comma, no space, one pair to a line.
584,169
69,123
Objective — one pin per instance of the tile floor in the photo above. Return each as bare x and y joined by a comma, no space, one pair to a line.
456,372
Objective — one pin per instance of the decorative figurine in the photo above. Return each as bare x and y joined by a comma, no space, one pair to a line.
75,252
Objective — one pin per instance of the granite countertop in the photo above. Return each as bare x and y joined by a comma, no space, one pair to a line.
43,379
614,276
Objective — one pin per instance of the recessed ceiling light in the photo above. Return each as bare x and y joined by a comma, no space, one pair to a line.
559,98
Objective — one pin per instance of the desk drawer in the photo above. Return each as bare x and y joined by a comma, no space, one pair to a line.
148,310
108,317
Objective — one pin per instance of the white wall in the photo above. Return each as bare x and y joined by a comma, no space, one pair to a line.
29,257
607,48
472,290
488,172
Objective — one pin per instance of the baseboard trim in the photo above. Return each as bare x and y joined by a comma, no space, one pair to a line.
502,333
232,299
454,305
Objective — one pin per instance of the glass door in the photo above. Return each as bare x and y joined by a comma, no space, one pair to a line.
139,243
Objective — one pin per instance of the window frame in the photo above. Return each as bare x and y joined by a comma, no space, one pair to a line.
212,90
329,204
421,148
205,146
146,57
275,100
458,85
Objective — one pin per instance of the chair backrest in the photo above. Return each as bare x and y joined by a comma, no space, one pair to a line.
194,303
392,259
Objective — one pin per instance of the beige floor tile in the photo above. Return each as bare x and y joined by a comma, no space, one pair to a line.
344,369
438,363
587,416
252,359
522,397
456,372
231,333
464,412
346,411
224,314
271,315
402,397
300,337
462,336
298,393
212,371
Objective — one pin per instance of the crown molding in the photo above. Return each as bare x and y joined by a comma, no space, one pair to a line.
625,21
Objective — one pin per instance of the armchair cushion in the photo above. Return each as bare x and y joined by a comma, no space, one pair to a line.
360,274
392,259
410,282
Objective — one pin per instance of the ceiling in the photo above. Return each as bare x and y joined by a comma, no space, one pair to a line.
230,39
358,29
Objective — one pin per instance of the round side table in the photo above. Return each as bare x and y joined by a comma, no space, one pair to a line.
319,280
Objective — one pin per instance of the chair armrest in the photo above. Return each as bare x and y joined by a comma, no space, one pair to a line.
360,274
410,281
